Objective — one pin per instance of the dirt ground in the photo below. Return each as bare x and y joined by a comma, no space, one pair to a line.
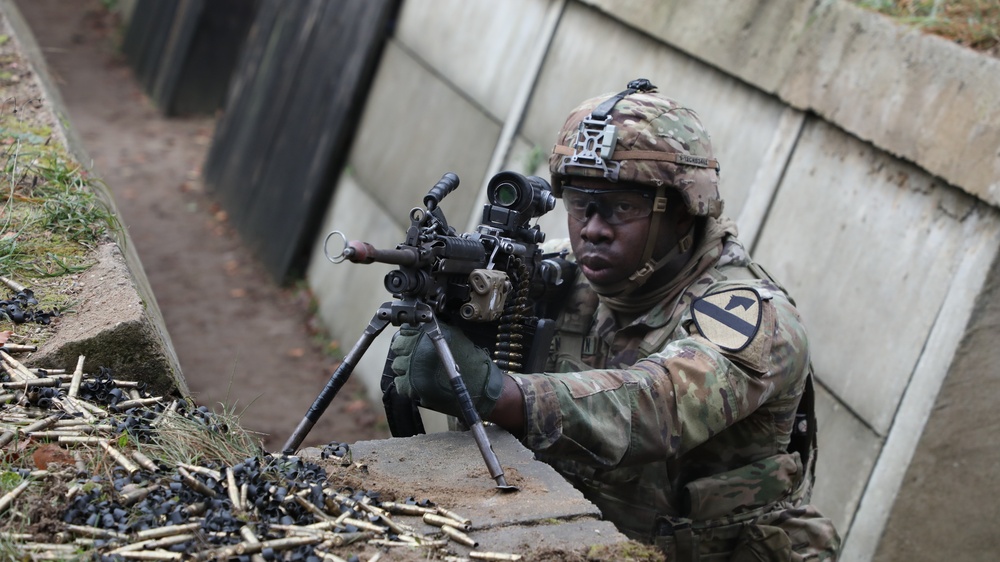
242,340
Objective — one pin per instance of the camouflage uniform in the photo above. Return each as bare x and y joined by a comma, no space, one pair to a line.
677,440
680,425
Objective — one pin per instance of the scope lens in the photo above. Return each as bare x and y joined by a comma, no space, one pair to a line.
505,194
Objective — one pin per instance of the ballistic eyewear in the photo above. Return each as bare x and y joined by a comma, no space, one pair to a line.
616,206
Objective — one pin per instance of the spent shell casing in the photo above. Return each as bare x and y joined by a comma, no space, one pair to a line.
248,535
74,385
459,536
80,439
145,462
481,555
233,489
15,368
204,471
121,459
10,496
13,285
452,515
407,509
319,526
42,382
96,532
7,437
126,404
168,531
440,520
96,410
341,539
152,544
133,496
151,555
194,483
43,423
329,556
19,347
363,525
311,507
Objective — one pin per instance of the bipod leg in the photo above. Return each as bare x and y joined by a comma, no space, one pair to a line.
469,413
378,323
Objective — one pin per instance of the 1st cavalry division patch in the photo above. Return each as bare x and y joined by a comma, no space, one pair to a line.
729,319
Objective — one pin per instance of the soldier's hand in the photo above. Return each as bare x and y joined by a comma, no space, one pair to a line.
421,375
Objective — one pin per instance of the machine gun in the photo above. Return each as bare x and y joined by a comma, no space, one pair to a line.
495,278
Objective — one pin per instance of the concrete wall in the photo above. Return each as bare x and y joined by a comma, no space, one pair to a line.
858,157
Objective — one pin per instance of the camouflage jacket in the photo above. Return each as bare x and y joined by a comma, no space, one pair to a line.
682,417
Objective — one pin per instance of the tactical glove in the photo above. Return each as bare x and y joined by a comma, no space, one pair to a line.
422,376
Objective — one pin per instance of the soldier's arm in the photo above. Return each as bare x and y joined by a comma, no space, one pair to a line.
665,404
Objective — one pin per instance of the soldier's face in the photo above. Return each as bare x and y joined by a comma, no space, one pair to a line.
607,253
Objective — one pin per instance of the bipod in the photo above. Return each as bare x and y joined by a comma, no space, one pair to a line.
398,313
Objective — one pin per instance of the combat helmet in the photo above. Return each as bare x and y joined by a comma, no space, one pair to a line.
639,136
643,137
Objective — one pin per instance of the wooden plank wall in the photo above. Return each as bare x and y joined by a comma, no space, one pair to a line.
184,52
289,118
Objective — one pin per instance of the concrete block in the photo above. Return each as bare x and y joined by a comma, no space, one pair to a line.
886,82
415,128
847,453
742,39
844,234
584,60
915,95
920,400
484,48
955,464
448,469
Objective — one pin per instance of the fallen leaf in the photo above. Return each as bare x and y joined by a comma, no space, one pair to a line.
49,454
237,293
296,352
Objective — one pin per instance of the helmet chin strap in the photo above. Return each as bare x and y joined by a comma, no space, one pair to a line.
623,289
628,286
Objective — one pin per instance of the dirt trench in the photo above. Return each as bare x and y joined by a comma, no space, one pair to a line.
243,341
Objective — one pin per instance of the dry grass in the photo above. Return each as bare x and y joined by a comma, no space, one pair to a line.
971,23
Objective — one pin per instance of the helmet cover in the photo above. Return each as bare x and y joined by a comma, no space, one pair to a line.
641,137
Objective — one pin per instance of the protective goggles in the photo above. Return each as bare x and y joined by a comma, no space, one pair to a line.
616,206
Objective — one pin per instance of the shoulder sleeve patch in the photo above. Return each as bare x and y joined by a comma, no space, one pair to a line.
730,319
740,321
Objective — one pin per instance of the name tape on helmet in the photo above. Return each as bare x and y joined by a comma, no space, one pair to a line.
674,157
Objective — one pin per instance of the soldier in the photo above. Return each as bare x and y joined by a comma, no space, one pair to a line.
678,392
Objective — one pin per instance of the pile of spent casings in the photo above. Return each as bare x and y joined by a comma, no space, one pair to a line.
84,473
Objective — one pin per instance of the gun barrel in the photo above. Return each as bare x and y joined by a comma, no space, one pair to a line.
363,252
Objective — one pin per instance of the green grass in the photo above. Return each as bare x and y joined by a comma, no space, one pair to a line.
972,23
51,218
183,439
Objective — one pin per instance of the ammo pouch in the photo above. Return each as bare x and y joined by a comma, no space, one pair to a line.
718,530
736,542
